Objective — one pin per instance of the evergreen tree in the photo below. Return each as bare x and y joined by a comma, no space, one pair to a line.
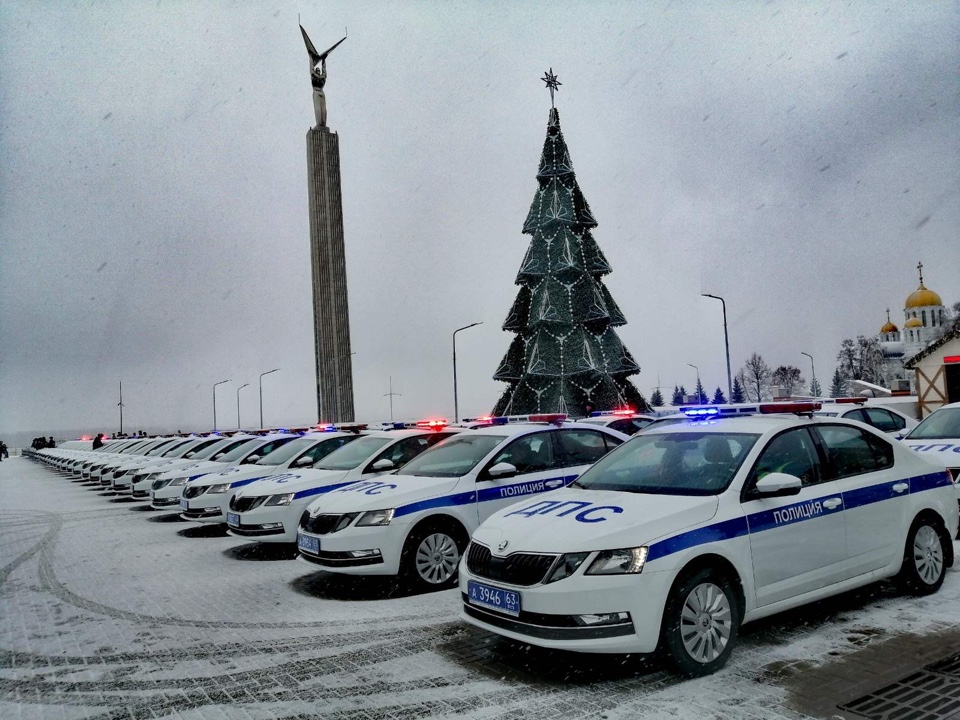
838,385
677,398
718,397
700,394
815,388
657,398
737,391
566,353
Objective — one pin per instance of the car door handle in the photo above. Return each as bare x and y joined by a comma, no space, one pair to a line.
832,503
900,487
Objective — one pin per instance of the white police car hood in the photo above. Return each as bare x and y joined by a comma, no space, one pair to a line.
943,452
236,475
406,494
572,520
303,483
150,464
195,469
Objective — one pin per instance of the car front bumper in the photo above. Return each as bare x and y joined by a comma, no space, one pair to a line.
346,551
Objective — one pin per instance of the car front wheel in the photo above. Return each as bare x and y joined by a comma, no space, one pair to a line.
431,557
701,622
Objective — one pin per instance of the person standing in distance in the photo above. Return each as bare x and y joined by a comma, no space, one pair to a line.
98,441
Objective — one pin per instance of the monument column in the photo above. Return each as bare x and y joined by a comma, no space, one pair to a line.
330,310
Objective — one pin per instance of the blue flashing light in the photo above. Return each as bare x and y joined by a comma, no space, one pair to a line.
699,411
499,420
596,413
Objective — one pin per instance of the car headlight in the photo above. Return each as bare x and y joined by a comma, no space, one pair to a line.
218,489
627,561
344,521
375,517
178,481
284,499
566,567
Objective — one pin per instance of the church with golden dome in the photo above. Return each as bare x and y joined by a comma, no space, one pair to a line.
924,317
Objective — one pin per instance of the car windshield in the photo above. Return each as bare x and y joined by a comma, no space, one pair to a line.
352,454
179,448
676,463
288,451
239,450
453,457
212,449
941,425
160,447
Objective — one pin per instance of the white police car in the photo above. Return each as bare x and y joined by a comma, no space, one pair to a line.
626,421
937,438
417,521
154,448
208,498
676,538
884,419
270,509
142,479
93,465
174,455
165,490
204,497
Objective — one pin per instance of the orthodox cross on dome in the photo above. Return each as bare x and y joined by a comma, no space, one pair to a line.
888,314
552,82
920,269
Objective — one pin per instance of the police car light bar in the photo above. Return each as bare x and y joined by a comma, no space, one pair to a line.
789,407
351,427
433,423
851,400
554,418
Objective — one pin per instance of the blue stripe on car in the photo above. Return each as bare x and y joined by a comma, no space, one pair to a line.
320,490
531,487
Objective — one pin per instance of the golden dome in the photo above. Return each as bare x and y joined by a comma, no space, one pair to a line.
922,297
889,327
913,323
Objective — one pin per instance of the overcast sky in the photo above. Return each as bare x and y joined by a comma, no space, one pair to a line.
797,158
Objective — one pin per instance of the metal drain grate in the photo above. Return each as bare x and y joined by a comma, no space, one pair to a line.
931,694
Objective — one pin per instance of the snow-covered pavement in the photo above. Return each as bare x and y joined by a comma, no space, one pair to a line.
108,610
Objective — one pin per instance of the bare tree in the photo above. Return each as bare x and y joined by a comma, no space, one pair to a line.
861,360
755,378
788,378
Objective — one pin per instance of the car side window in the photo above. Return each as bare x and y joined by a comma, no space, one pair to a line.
321,450
792,452
852,451
884,420
528,454
581,447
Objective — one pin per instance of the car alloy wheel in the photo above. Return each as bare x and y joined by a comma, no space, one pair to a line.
437,558
705,622
928,554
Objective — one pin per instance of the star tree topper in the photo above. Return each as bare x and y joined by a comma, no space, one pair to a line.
551,80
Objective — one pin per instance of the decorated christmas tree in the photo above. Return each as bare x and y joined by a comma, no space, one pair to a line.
566,356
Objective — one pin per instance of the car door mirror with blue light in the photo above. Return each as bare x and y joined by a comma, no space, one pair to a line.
778,485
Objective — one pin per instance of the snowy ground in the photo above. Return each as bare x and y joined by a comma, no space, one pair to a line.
111,611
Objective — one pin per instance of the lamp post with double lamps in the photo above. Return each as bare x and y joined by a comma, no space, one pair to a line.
698,388
215,402
456,407
726,343
261,393
238,402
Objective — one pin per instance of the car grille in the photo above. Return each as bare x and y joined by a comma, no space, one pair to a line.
192,491
320,524
516,569
243,504
159,484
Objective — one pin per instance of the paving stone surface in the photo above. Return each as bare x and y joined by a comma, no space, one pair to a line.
109,610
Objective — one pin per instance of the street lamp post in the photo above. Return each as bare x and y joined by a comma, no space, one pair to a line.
391,395
699,387
238,402
456,407
726,344
813,371
215,402
261,393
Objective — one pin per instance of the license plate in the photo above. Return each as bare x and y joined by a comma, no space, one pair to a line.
233,519
310,544
505,601
184,505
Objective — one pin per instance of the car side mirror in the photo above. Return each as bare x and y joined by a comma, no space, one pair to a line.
304,461
383,464
503,469
251,459
779,485
188,456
